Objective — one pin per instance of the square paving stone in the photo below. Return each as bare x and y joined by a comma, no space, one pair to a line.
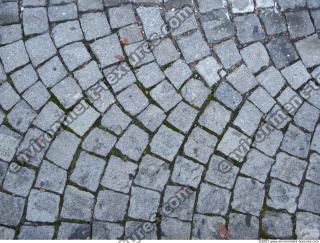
242,79
257,165
84,121
119,174
315,144
309,50
121,16
149,75
217,25
299,23
63,148
166,143
206,227
282,52
174,229
8,96
242,6
9,143
232,144
3,170
30,232
115,120
88,171
88,75
307,226
288,168
272,80
100,96
9,13
151,20
277,224
268,139
106,231
130,34
6,233
309,199
273,21
40,49
152,117
143,203
249,28
68,92
19,183
187,44
248,118
13,56
189,21
313,4
209,5
185,202
133,52
110,43
186,172
178,73
262,100
315,16
200,145
228,53
255,56
133,229
287,4
43,207
228,96
314,168
37,95
133,142
312,95
283,196
51,177
52,72
74,55
84,5
111,206
66,33
243,226
195,92
74,231
77,204
221,172
94,25
153,173
248,196
3,76
215,117
62,12
165,52
165,95
11,209
208,68
290,100
99,142
35,21
213,200
182,117
296,75
119,76
24,78
296,142
307,117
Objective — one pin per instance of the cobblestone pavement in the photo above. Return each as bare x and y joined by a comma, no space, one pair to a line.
150,119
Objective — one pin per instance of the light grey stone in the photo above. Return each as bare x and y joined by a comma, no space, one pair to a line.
228,53
84,5
24,78
106,231
288,168
66,33
309,199
255,56
165,52
133,142
8,96
30,232
151,20
296,75
166,143
195,92
10,141
178,73
150,75
73,231
74,55
272,80
307,117
35,21
115,120
206,227
119,174
189,21
119,76
100,96
309,50
11,209
37,95
243,226
88,171
307,226
248,27
152,117
133,229
262,100
228,96
208,68
62,12
174,229
94,25
242,6
277,224
314,168
43,207
88,75
208,5
9,13
130,34
121,16
6,233
248,196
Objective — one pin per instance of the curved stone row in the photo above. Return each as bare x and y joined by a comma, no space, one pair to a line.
159,119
